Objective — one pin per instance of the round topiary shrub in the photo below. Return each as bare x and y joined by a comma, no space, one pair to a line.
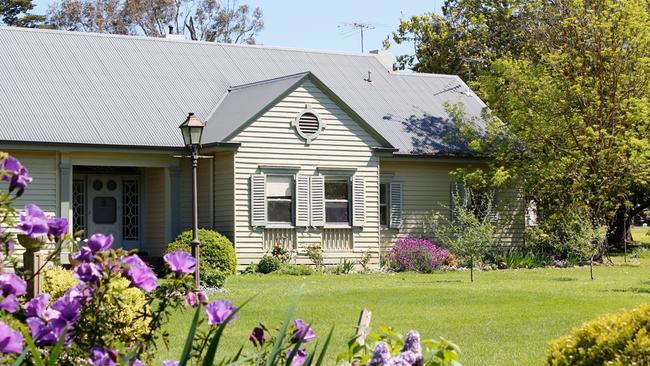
268,264
613,339
216,251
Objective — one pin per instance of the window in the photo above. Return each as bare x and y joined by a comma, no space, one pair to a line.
337,208
104,210
384,207
279,198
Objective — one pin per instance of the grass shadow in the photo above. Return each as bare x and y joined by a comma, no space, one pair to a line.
564,279
636,290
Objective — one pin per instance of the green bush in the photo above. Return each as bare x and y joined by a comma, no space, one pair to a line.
296,269
614,339
213,278
217,252
57,280
268,264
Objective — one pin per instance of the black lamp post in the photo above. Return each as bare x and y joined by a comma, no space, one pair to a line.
192,129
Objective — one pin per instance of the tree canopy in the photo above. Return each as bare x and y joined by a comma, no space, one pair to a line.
17,13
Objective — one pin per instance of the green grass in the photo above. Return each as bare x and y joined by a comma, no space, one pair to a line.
504,318
641,234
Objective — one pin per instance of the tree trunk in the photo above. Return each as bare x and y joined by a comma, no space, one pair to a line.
618,232
471,269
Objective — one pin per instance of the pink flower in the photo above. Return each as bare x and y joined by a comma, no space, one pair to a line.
191,300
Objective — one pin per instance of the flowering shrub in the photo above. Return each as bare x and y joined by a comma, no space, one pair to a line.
217,252
414,254
57,280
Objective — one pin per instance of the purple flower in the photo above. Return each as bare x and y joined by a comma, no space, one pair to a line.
303,333
412,342
140,274
218,311
137,362
416,254
87,272
100,242
381,355
103,357
46,333
11,341
203,298
83,255
18,176
33,222
36,306
9,304
58,226
298,358
191,300
180,262
170,363
66,308
257,336
10,284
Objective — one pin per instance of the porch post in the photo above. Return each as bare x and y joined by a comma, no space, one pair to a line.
65,188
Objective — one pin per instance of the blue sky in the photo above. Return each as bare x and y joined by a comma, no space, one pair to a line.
318,24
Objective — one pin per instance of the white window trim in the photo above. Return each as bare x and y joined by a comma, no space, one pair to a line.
334,224
282,224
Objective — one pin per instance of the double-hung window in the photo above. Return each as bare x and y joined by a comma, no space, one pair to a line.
279,199
337,200
384,206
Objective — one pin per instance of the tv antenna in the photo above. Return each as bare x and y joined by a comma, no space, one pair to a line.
470,60
350,28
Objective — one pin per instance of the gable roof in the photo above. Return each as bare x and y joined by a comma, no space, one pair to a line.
84,88
244,103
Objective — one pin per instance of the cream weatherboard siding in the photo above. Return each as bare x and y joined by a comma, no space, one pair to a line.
224,202
270,140
155,200
204,193
43,190
426,190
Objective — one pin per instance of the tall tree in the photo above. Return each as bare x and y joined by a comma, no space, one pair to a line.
17,13
225,23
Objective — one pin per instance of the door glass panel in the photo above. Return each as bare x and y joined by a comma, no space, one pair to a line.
104,210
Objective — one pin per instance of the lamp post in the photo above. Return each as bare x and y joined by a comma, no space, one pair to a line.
192,129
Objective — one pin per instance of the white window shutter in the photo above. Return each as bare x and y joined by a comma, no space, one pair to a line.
258,200
302,200
358,201
317,185
395,205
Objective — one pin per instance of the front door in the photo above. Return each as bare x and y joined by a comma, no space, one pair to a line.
105,206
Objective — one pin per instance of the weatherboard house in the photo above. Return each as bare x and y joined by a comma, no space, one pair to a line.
305,147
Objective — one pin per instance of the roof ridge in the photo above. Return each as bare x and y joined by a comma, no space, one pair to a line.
266,81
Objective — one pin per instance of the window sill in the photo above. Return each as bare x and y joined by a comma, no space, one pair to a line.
337,226
279,226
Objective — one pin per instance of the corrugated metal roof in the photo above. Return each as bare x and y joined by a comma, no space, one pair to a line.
84,88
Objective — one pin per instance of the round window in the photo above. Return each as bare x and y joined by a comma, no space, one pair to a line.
111,185
308,125
98,185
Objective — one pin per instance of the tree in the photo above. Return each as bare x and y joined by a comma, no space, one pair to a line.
16,13
217,21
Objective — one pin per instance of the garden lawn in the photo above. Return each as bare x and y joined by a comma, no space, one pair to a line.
641,234
503,318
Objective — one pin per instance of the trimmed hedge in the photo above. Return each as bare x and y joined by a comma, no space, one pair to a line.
216,251
613,339
268,264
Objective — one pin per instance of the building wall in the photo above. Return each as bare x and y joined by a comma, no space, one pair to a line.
271,140
154,230
204,193
224,201
43,190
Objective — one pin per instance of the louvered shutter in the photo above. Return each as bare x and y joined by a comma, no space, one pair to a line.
317,185
258,200
358,201
395,205
302,200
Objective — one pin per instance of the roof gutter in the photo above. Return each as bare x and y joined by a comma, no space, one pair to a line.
57,146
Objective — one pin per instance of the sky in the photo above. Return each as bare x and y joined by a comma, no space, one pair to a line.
322,24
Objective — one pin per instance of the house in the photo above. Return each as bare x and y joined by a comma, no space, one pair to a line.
301,147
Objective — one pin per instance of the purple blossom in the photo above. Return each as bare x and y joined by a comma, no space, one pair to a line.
203,298
100,242
58,226
303,332
18,176
191,300
33,222
36,306
180,262
10,284
170,363
9,246
140,274
298,358
381,355
257,336
11,341
103,357
9,304
137,362
218,311
61,315
417,254
83,255
66,308
87,272
45,333
412,342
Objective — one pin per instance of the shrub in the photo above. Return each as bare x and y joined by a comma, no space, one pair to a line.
315,255
211,277
296,270
268,264
216,251
614,339
57,280
420,255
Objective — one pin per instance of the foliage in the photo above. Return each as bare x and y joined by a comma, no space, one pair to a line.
250,269
315,255
614,339
417,254
211,277
16,13
469,232
282,254
268,264
344,267
295,269
57,280
216,21
217,251
517,258
365,260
